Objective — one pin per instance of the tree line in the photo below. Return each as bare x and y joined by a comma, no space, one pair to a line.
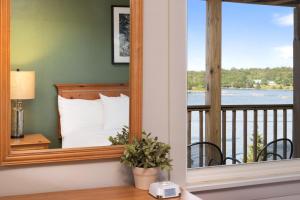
259,78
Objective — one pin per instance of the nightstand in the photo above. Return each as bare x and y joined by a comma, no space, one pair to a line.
30,142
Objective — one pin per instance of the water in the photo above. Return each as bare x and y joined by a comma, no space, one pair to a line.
246,96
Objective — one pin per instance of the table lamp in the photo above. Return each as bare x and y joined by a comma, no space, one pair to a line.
22,87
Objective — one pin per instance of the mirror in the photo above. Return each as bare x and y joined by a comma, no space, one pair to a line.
69,87
69,54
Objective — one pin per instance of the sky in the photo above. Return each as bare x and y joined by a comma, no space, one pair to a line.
253,36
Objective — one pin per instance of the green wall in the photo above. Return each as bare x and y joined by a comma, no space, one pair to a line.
63,41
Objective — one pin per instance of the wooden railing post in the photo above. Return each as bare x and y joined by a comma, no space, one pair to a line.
234,136
213,70
284,121
224,132
275,134
189,138
245,130
296,68
255,131
201,139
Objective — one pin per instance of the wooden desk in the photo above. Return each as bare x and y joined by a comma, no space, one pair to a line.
30,142
112,193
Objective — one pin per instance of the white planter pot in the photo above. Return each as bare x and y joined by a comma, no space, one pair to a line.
144,177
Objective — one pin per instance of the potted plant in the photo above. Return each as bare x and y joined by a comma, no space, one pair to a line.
146,157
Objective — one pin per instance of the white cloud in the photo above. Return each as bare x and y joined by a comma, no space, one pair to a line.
284,20
285,52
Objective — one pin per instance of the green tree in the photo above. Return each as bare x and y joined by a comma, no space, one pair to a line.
245,78
260,146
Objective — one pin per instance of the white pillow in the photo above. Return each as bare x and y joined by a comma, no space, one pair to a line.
124,96
76,114
116,112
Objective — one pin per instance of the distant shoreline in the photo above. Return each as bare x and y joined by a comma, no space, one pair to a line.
280,78
231,88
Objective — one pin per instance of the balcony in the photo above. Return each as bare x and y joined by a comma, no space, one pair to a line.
245,129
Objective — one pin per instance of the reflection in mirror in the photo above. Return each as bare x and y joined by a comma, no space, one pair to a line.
70,72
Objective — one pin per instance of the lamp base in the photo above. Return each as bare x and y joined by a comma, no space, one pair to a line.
17,120
17,137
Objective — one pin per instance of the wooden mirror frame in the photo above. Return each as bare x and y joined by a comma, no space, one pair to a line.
60,155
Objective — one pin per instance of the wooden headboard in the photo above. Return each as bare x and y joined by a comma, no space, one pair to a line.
89,92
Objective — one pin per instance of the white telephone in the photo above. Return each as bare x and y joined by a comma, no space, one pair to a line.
162,190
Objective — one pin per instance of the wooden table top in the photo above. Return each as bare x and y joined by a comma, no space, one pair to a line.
30,139
111,193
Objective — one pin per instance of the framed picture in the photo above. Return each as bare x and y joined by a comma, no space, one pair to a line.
121,35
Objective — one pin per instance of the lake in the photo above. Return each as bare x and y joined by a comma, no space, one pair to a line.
246,96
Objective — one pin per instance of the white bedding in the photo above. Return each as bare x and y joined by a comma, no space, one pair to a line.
88,137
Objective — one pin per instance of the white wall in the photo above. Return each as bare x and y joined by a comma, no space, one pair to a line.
282,191
46,178
177,88
164,105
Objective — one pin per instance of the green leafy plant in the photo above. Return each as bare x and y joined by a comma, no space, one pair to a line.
121,138
147,152
260,146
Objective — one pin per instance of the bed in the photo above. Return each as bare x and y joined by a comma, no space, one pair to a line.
77,125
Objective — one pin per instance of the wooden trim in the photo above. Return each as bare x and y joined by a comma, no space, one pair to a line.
243,107
62,155
136,71
91,91
4,78
296,80
288,3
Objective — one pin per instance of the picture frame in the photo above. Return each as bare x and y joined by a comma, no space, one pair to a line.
120,34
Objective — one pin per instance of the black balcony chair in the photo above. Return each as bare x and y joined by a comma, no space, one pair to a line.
234,160
276,150
202,154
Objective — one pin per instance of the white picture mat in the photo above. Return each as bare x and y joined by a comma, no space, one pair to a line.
116,16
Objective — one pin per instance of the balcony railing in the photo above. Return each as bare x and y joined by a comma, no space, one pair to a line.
243,127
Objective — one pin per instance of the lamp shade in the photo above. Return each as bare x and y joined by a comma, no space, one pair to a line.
22,85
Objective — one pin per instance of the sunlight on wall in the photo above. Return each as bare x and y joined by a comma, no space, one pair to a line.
39,47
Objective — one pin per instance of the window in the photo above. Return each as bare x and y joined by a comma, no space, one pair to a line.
256,80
